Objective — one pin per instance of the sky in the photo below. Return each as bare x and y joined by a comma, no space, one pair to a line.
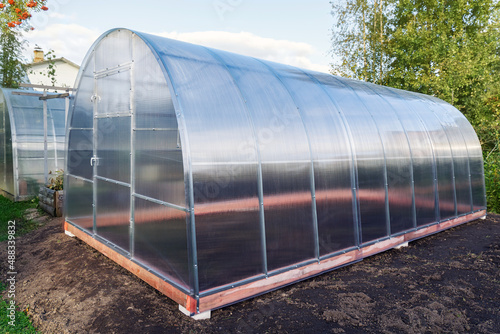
291,32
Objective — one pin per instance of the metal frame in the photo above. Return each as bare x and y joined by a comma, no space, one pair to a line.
39,96
192,210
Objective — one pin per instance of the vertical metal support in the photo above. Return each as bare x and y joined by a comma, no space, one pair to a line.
45,162
66,110
132,154
94,153
192,229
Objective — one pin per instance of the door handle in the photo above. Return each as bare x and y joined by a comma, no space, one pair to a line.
94,161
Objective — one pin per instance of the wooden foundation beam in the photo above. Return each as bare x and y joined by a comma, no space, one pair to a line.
244,291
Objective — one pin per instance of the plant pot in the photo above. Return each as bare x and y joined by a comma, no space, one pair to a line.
51,201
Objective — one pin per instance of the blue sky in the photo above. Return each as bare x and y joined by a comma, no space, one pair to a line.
292,32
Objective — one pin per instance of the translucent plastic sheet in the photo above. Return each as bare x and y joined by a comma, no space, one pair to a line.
22,140
161,240
212,169
369,155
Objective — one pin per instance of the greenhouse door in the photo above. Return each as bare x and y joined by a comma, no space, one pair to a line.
112,155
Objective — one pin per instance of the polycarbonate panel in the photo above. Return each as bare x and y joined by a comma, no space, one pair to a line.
421,152
160,239
113,213
332,159
25,137
227,223
252,148
6,159
113,148
83,113
397,156
443,156
285,157
78,204
205,90
475,162
446,113
369,153
288,213
113,93
153,103
159,168
115,49
80,150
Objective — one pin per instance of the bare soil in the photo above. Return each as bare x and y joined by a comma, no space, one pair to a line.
446,283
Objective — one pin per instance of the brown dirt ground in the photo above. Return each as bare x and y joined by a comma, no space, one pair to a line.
446,283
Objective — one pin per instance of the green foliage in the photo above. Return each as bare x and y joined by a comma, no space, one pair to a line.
359,38
443,48
50,72
12,70
14,211
22,323
446,48
492,180
57,182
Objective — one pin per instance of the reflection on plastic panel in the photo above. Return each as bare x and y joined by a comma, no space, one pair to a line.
282,143
444,160
287,203
369,153
330,152
397,157
83,112
226,201
459,148
421,154
204,89
113,213
161,240
79,209
113,149
80,150
159,167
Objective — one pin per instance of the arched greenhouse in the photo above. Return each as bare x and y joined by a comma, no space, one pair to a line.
216,177
22,160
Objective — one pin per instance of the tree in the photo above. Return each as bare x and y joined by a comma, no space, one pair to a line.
17,13
14,18
442,48
12,70
359,38
446,48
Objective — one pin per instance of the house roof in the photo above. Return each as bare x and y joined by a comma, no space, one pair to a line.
61,59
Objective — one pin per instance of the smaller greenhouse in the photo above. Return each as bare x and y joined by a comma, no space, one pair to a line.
22,143
216,177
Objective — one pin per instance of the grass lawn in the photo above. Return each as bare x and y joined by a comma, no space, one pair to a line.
13,211
22,321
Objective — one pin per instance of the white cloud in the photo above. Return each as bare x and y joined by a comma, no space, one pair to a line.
70,41
282,51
